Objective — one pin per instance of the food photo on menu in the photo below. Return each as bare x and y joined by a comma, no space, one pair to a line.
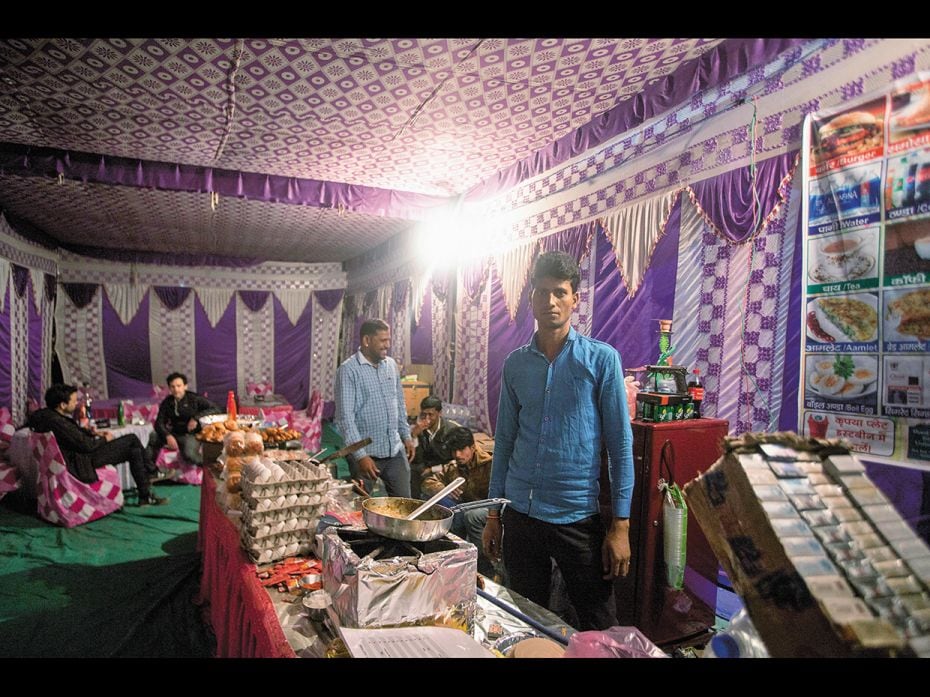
910,114
842,379
848,137
907,251
906,318
843,319
849,256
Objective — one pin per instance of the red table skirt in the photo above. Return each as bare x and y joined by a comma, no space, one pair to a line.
240,611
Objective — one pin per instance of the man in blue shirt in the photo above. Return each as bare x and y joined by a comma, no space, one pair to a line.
370,404
562,399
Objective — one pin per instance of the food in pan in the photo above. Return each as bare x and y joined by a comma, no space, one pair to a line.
856,319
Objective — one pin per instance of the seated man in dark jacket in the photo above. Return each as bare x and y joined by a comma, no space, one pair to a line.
83,451
431,432
472,463
177,420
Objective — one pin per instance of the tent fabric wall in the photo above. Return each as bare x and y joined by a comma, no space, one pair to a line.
126,350
6,347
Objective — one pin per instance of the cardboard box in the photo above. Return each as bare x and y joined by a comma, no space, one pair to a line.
423,371
414,393
791,619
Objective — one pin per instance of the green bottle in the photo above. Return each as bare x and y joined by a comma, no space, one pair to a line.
120,415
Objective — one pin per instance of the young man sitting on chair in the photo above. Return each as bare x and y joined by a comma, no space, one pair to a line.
85,451
177,422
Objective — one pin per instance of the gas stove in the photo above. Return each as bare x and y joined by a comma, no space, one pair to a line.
376,581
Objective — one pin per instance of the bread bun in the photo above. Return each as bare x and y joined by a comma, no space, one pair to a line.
537,647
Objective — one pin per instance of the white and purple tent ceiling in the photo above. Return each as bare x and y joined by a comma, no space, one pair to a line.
309,149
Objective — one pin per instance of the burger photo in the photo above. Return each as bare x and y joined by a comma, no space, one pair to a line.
848,134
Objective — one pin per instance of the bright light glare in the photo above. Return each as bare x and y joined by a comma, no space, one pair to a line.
450,240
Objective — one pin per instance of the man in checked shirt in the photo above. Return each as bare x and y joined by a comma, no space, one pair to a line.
370,404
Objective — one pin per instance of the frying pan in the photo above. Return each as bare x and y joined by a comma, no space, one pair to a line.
386,516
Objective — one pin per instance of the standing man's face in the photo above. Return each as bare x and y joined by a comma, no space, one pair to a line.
375,347
178,388
553,302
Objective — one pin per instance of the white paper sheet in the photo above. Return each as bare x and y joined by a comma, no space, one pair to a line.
412,642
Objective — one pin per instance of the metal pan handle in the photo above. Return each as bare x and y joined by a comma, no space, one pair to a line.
483,503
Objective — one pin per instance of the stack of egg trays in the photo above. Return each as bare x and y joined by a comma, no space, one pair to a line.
862,563
279,518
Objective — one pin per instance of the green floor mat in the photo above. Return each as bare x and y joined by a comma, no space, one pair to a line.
123,585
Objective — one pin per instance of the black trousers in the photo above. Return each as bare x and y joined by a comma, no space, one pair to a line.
121,449
529,547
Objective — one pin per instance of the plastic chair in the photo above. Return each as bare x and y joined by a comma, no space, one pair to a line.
185,472
63,499
310,423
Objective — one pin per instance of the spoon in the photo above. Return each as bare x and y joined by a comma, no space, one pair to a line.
436,497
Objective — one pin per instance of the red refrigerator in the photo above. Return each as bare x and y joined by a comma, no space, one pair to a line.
644,599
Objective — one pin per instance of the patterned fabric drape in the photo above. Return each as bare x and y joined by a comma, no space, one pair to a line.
214,301
48,320
324,345
634,231
172,297
254,340
471,350
79,341
442,342
514,267
19,344
125,299
171,335
294,301
4,279
731,318
37,282
400,323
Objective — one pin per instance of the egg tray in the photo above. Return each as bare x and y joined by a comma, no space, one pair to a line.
294,470
261,492
252,517
278,546
255,533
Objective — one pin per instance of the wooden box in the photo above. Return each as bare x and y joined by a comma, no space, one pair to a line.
414,392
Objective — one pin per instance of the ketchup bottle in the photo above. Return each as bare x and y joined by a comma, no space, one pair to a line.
231,405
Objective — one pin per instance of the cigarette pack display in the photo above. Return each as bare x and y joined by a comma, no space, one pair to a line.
894,568
838,465
845,610
867,540
921,620
828,587
807,502
769,492
786,469
814,566
791,528
910,548
871,587
760,476
830,535
827,490
801,546
844,513
921,569
796,487
881,513
904,585
819,517
775,451
914,601
879,554
860,570
844,552
856,481
753,461
920,646
893,530
859,527
817,479
867,496
779,509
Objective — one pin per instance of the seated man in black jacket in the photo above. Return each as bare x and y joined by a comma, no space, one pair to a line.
431,431
177,420
83,451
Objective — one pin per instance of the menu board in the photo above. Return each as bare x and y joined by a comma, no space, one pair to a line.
865,369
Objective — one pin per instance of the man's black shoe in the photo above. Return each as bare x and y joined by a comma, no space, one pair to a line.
152,500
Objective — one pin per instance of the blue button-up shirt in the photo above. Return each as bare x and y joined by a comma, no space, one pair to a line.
370,404
552,421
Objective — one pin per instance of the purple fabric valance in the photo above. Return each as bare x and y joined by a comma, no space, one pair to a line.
728,201
51,287
20,278
172,296
573,241
128,256
254,299
721,63
81,294
328,299
23,160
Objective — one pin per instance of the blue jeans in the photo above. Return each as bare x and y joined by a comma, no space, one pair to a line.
395,473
